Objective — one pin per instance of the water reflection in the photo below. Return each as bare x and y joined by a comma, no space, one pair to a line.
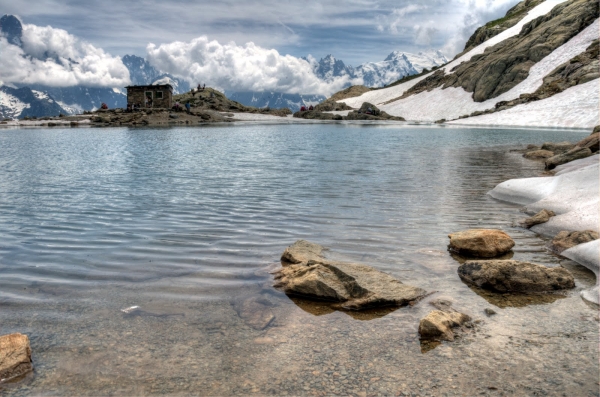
514,299
321,308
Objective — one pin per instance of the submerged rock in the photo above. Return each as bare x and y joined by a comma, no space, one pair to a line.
515,276
565,239
483,243
558,148
256,312
15,356
354,286
541,217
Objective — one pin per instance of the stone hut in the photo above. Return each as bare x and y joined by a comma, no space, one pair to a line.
159,96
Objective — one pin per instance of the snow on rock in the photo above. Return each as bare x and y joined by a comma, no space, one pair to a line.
573,195
11,106
451,103
575,107
588,255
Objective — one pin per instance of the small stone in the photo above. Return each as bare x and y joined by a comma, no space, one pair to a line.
489,312
541,217
565,239
439,324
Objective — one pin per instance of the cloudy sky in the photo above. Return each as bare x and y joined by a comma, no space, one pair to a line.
182,35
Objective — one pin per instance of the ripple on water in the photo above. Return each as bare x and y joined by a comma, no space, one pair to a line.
186,223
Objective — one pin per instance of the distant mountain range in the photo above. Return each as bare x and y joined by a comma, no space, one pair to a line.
19,101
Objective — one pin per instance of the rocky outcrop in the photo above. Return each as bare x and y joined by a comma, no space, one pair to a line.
305,272
368,111
482,243
574,154
565,239
506,64
331,105
150,117
438,324
316,115
541,217
591,142
350,92
515,276
211,99
15,356
538,154
493,28
557,148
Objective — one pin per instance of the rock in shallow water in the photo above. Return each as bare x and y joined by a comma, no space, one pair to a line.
541,217
515,276
482,243
306,273
438,324
15,356
565,239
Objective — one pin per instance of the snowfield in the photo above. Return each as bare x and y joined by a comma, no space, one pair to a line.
11,105
575,107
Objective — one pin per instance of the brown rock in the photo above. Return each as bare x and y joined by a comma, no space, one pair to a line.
301,251
565,240
558,148
596,129
538,154
592,142
354,286
438,324
515,276
483,243
573,154
541,217
15,356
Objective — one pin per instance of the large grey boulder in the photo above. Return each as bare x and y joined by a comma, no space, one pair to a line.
481,243
305,272
515,276
15,356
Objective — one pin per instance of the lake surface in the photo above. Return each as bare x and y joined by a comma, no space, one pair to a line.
186,223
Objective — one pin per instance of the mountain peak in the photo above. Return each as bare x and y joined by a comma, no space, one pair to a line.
12,29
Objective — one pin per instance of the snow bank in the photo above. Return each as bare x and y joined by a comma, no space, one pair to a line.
575,107
573,194
587,254
451,103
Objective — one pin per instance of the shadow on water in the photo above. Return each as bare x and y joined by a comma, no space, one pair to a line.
321,308
462,259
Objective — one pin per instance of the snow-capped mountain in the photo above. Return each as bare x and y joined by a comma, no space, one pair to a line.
275,100
329,68
22,102
378,74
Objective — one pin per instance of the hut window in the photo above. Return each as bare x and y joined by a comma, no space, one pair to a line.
149,94
159,95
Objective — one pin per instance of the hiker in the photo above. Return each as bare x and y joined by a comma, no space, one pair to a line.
104,106
188,107
128,108
310,107
204,87
303,108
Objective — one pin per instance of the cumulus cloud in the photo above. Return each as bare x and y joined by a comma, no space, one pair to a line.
424,34
239,67
54,57
477,13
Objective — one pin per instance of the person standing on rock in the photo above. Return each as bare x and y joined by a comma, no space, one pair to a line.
188,107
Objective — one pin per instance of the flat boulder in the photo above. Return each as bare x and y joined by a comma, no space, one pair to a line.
541,217
515,276
538,154
15,356
305,272
565,239
438,324
574,154
482,243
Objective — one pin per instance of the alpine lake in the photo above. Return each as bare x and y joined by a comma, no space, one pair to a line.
126,256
